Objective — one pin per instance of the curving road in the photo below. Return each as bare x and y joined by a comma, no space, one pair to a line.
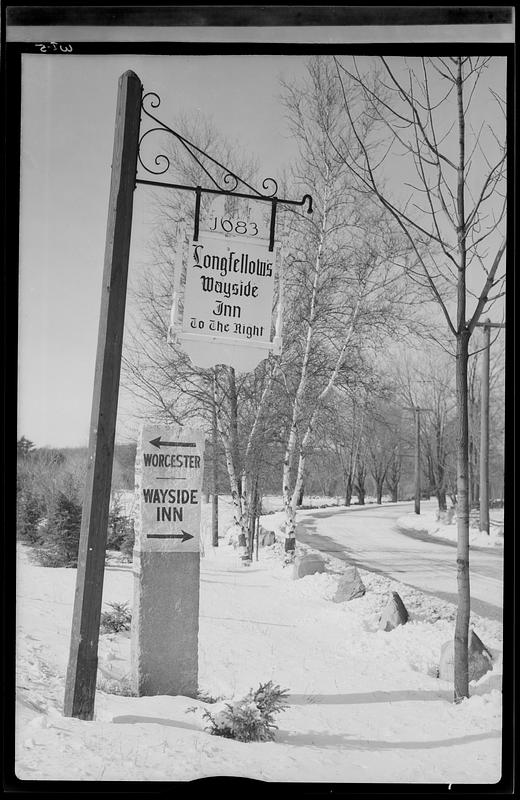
368,537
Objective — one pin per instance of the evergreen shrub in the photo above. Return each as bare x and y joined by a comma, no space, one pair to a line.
250,719
58,543
120,533
30,512
119,618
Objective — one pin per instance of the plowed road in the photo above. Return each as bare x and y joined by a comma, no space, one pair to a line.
368,537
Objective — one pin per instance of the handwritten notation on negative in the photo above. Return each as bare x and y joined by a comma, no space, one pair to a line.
53,47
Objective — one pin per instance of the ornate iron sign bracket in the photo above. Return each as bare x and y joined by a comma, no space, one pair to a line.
206,162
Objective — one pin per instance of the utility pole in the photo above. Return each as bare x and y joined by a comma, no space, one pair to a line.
484,426
80,686
417,460
417,413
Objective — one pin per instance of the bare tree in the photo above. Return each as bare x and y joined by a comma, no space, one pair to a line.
157,372
473,432
347,433
383,446
449,201
342,279
426,381
496,420
394,471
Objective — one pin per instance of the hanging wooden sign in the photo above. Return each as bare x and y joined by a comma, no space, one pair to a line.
227,303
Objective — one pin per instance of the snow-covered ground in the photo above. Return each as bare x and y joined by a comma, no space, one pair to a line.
442,529
371,538
365,705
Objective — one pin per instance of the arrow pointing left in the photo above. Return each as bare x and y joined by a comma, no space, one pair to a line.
158,442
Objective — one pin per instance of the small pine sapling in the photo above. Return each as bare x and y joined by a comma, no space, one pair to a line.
118,619
250,719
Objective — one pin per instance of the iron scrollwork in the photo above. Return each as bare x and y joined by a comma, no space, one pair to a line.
226,182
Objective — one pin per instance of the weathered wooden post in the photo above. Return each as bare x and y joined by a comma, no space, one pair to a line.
80,684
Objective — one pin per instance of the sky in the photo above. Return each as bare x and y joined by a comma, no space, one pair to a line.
67,129
68,111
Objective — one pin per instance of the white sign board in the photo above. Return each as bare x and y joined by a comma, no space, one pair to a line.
228,300
169,469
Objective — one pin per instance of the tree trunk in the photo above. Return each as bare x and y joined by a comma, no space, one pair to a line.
233,424
233,481
348,490
241,478
288,496
441,499
461,684
214,505
472,472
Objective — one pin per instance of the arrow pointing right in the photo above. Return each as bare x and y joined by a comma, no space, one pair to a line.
185,536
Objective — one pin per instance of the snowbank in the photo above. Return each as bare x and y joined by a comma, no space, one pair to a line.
428,522
365,705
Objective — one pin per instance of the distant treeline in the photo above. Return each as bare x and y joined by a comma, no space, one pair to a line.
123,470
76,457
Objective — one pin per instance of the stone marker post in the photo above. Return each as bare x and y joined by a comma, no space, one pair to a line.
165,620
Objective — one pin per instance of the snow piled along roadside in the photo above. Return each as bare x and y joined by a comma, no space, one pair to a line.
428,522
365,705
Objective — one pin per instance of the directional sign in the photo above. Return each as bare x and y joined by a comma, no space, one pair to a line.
169,482
229,288
228,300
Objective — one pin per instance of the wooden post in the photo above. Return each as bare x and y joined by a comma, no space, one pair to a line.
80,684
417,460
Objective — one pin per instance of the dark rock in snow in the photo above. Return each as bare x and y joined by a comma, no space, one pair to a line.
308,564
394,614
350,586
480,659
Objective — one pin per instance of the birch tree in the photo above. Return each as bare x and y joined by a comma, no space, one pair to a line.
157,372
243,443
342,281
444,156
